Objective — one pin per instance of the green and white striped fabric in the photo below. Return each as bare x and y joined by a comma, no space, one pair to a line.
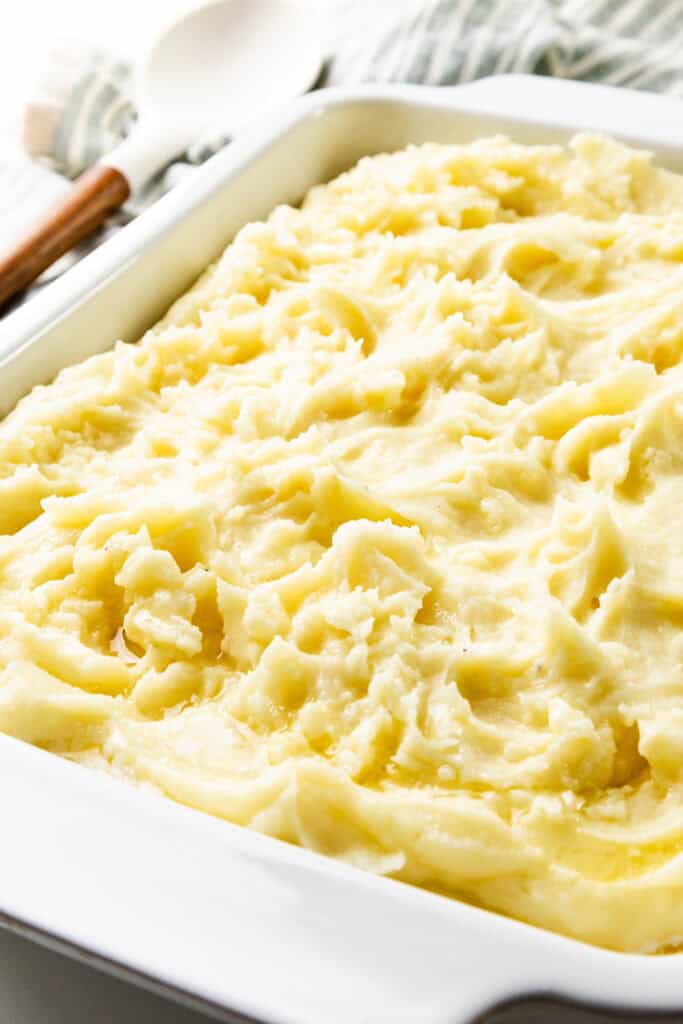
635,43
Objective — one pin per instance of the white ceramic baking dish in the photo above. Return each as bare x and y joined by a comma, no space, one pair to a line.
246,926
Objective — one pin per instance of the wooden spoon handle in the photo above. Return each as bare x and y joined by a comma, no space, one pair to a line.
95,194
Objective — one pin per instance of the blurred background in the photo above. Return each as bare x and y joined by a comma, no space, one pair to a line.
31,27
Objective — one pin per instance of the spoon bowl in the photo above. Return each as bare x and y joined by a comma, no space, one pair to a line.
226,63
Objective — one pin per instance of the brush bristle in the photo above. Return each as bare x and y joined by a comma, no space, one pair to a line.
63,68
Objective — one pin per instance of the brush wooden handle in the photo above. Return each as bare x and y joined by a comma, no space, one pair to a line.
95,194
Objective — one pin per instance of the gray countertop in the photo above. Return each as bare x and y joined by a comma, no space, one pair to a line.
38,986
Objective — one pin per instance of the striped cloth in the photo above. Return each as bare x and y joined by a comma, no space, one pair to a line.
85,104
634,43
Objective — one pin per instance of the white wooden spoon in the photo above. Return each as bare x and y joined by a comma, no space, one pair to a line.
216,68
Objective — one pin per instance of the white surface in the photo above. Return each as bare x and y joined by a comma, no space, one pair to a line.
211,908
28,29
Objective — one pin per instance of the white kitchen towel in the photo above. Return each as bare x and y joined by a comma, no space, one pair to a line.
85,102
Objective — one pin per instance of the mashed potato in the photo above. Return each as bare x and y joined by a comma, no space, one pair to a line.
375,543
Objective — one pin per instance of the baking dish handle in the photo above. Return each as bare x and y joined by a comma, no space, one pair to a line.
643,118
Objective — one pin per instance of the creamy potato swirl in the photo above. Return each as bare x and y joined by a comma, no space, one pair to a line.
375,542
